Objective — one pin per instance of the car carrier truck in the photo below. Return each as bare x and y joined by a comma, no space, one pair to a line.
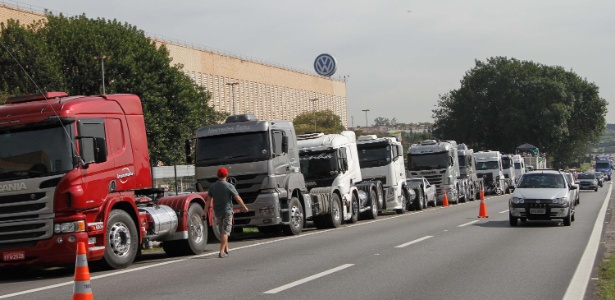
381,159
330,166
76,169
437,161
262,158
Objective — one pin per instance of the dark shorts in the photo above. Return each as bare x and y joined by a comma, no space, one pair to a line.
224,224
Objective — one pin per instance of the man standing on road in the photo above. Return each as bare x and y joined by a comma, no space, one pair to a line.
223,193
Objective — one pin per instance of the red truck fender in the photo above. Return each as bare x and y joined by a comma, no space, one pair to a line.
181,204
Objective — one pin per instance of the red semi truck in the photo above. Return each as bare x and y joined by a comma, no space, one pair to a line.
76,169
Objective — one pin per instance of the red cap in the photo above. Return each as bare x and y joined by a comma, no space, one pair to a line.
222,172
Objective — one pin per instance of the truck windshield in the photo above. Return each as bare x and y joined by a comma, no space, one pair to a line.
506,163
602,165
518,166
232,148
428,161
487,165
374,155
35,151
315,165
462,161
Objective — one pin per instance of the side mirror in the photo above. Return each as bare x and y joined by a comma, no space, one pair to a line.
285,144
188,151
93,149
574,187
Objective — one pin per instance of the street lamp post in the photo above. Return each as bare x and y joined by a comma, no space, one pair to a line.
233,84
102,59
365,110
314,109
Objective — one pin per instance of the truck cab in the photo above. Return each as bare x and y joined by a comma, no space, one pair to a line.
489,167
437,161
519,166
604,164
467,170
381,159
508,168
262,158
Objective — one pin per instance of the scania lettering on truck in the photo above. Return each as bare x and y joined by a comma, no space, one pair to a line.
489,167
508,168
263,163
467,170
330,166
604,164
437,161
381,159
80,171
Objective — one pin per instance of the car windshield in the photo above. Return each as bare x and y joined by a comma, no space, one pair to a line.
487,165
322,164
542,180
586,176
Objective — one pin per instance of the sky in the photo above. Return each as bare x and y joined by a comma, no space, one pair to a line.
397,56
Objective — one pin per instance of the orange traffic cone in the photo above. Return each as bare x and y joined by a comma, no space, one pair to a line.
482,194
445,198
482,211
82,289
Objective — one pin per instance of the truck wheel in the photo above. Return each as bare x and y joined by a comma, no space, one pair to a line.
420,199
404,203
295,225
512,220
197,232
122,240
372,213
334,217
354,210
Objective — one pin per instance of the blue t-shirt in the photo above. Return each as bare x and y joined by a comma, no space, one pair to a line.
223,193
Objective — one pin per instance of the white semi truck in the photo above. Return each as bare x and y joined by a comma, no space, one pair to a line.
437,161
519,166
467,168
382,160
330,166
489,167
508,168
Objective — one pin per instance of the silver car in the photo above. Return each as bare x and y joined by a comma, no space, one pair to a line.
426,192
543,195
570,180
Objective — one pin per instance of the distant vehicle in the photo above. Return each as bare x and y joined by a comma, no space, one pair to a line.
604,164
508,168
489,167
425,192
570,180
600,176
588,181
542,195
519,167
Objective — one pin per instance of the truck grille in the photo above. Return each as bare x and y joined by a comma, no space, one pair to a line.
248,186
488,177
25,217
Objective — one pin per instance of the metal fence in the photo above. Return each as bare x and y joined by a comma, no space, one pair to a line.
176,180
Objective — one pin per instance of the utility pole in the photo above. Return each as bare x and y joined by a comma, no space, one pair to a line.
365,110
233,84
314,109
102,59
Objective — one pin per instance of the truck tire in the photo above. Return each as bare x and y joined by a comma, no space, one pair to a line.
404,203
354,210
122,240
334,217
197,232
296,220
420,199
372,213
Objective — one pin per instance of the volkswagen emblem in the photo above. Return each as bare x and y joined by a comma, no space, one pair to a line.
232,180
325,65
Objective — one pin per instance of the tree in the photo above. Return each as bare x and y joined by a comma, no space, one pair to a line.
380,121
503,103
58,54
326,122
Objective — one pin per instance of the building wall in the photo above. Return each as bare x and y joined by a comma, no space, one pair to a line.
239,85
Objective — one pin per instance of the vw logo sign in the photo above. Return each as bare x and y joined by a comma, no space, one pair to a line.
232,180
325,65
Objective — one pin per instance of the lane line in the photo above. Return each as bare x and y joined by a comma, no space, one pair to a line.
504,211
414,242
580,280
307,279
469,223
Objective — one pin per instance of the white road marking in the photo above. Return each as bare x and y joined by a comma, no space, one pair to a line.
504,211
307,279
414,242
578,284
469,223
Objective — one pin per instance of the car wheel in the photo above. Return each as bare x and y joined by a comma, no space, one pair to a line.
596,189
420,198
512,220
568,218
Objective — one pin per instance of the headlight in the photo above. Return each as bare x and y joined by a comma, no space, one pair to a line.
562,200
75,226
516,200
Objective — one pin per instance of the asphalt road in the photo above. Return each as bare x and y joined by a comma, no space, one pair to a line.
439,253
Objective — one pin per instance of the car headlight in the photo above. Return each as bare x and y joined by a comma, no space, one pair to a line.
66,227
562,200
516,200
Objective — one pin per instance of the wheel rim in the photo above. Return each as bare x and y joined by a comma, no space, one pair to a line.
196,229
355,207
404,201
336,210
374,205
296,217
119,239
